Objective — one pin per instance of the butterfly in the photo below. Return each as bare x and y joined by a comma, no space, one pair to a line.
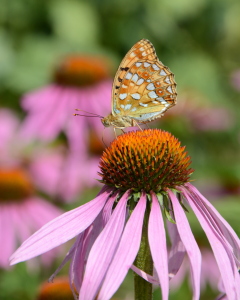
143,88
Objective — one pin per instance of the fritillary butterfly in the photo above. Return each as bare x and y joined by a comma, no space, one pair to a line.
143,88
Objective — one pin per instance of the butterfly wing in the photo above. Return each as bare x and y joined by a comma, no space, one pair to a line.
143,87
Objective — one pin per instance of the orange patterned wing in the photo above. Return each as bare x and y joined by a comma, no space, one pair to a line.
143,87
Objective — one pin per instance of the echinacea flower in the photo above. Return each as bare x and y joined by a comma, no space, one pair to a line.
146,176
22,211
78,82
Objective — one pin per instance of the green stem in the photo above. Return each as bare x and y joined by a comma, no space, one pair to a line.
143,289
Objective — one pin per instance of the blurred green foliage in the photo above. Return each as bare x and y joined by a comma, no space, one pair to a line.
198,40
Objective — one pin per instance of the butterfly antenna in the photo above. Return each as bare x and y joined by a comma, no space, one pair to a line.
86,116
103,137
96,115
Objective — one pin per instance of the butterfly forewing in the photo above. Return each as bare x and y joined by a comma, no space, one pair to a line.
143,87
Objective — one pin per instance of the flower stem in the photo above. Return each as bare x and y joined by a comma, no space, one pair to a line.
143,289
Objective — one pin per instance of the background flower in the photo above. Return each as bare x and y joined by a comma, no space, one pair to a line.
18,197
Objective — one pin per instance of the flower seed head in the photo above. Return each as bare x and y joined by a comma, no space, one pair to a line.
149,160
81,71
15,185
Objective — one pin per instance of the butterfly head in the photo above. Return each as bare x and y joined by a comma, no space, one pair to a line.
117,121
106,122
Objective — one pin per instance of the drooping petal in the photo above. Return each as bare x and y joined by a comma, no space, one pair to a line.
158,247
61,229
150,278
177,251
84,246
126,252
78,256
223,225
225,259
189,244
68,256
103,250
81,253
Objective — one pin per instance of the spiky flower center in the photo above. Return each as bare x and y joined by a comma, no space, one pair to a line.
15,185
81,71
57,290
149,160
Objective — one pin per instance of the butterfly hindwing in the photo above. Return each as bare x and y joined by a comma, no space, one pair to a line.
146,91
142,50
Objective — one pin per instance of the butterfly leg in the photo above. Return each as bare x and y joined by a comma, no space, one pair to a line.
136,123
103,137
115,132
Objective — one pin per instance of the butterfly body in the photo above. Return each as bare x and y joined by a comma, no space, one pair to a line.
118,121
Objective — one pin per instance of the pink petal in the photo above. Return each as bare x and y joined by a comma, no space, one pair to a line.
150,278
61,229
157,242
126,252
223,225
189,244
80,258
68,256
177,251
103,250
226,264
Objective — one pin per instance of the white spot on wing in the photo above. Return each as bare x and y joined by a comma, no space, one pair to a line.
117,111
134,109
152,95
155,67
143,104
146,64
138,64
136,96
128,106
141,49
145,117
124,86
167,80
150,87
148,80
144,53
140,81
122,106
129,75
163,73
160,99
169,89
155,102
135,77
132,54
123,96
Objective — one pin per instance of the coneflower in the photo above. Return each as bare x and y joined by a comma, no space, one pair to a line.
146,179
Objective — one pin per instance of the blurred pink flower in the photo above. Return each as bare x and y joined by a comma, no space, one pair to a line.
202,117
145,173
18,199
79,82
54,170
